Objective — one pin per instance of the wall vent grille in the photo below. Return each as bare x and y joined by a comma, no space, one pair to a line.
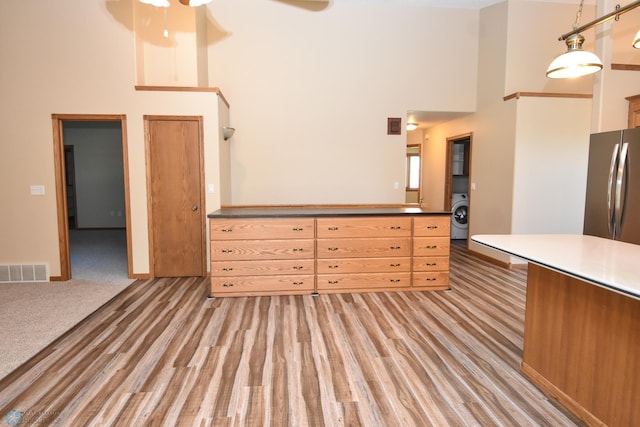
24,273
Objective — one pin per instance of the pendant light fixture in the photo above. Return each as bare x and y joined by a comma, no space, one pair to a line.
577,62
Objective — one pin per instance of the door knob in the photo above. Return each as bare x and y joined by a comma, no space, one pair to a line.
194,208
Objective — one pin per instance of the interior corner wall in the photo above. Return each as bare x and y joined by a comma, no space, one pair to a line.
550,173
177,59
530,46
492,54
493,130
492,172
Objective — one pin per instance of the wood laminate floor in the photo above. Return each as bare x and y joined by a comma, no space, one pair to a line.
160,353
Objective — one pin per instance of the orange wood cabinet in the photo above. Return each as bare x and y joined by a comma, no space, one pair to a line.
581,345
634,111
292,255
384,244
431,246
255,256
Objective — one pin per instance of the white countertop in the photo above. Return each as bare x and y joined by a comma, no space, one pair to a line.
607,263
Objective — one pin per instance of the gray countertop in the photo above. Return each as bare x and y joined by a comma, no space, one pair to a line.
286,211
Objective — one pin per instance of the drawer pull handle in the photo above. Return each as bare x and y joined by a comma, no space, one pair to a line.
395,247
432,227
227,230
298,229
431,246
298,283
333,267
396,227
394,280
227,251
333,249
298,250
333,282
430,264
227,285
227,269
332,228
298,267
430,279
394,265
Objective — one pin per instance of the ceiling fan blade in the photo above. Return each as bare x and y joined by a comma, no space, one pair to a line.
195,4
312,5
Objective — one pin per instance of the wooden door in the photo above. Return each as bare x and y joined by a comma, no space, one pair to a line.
175,185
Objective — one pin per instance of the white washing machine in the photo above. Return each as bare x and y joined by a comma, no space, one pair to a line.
459,215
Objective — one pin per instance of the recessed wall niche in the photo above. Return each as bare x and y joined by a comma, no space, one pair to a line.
170,45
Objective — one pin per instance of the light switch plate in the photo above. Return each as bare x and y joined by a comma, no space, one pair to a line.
37,190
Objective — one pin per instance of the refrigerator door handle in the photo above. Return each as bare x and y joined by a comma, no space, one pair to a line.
610,202
619,197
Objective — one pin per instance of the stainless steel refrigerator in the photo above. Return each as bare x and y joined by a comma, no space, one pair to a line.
612,206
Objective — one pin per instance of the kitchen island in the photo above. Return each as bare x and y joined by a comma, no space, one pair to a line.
289,250
582,322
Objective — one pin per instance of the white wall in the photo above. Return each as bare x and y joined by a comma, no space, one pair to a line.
72,57
532,43
312,91
529,155
550,165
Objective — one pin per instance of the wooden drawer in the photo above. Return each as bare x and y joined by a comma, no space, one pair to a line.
364,227
436,279
262,285
360,248
261,228
361,265
346,282
261,249
435,263
431,246
259,268
432,226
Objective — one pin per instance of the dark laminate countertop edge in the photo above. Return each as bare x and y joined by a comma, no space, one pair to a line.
319,212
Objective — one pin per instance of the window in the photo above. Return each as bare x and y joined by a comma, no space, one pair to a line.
413,171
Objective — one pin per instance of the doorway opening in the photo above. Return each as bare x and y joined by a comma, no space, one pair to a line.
92,196
414,175
457,184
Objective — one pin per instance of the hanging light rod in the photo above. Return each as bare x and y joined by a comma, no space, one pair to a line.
615,14
165,3
577,62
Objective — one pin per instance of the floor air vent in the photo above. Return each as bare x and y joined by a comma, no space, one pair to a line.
24,273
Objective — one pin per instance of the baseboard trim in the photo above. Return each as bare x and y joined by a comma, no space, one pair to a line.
567,401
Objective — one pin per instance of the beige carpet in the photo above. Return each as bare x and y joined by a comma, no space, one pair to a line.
32,315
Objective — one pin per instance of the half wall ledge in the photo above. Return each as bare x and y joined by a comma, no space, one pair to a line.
186,89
